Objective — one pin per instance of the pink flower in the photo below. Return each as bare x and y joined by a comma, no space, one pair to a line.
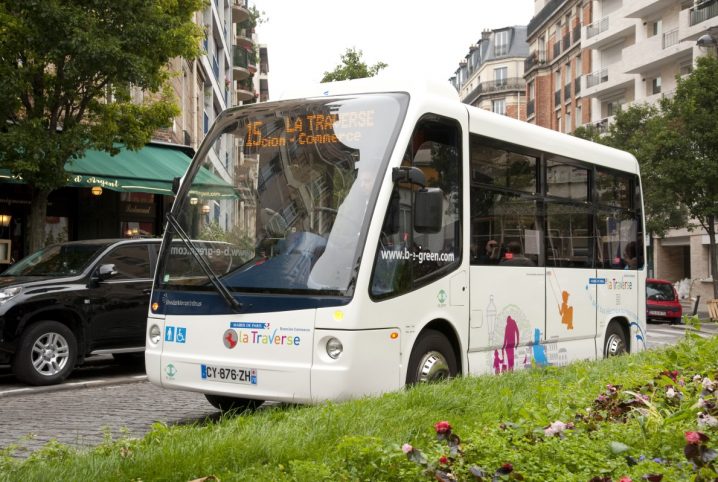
555,428
406,448
693,438
625,478
442,427
443,460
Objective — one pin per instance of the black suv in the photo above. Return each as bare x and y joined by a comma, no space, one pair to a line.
71,300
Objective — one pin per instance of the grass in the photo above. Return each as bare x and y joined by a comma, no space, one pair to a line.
500,419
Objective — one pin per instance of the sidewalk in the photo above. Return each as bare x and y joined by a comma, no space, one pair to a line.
688,305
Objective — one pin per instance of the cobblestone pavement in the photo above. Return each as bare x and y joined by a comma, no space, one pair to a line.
81,417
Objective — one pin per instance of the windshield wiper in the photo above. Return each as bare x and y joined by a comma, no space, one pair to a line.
213,278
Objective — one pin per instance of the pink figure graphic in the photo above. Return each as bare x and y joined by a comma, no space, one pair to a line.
511,341
498,363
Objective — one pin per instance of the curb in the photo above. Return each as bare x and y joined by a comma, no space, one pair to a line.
73,385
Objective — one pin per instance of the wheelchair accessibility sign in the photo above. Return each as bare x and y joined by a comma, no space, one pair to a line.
176,334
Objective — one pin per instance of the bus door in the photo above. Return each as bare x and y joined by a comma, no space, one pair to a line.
416,276
507,276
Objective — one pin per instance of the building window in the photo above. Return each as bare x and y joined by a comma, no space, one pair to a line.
656,85
559,125
568,118
655,28
579,118
500,75
501,43
499,106
531,90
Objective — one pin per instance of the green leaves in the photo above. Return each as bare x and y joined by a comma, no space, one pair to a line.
352,67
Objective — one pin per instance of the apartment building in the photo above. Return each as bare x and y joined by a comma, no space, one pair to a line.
556,65
233,70
491,74
639,47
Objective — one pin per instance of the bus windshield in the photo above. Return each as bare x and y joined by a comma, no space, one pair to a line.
299,181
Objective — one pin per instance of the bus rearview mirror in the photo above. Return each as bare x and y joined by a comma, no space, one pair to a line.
428,210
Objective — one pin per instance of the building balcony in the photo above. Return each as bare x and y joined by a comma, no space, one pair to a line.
608,81
245,90
496,86
645,8
240,10
696,21
608,30
535,59
244,38
242,63
655,52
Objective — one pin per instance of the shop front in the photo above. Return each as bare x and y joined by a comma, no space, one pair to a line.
126,195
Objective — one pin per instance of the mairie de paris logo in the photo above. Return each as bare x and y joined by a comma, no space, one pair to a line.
230,338
171,371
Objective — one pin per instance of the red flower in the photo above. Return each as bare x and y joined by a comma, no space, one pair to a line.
694,438
625,478
443,460
507,467
442,427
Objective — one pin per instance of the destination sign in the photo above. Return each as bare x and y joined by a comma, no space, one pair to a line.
308,129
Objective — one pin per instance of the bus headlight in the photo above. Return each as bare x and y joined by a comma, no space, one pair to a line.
155,334
334,348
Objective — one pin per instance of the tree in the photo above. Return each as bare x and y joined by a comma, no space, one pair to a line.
688,149
67,70
352,67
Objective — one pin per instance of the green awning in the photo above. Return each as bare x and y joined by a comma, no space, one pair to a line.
150,169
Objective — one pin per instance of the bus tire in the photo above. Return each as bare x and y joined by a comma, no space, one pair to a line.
432,359
232,404
46,354
615,343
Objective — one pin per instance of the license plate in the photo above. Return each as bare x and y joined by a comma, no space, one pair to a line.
246,376
657,313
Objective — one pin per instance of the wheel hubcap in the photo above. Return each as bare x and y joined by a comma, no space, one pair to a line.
50,354
615,346
433,367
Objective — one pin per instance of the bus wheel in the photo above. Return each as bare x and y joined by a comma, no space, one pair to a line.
232,404
432,359
615,341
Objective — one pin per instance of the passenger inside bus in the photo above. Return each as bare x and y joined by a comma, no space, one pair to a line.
514,256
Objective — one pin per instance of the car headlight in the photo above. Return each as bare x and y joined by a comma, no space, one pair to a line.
9,293
334,348
155,334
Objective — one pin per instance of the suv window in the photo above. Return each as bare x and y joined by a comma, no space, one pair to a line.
131,261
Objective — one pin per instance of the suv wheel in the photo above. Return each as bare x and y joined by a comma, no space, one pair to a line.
46,354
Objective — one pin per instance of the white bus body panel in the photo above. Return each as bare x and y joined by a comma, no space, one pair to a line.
283,368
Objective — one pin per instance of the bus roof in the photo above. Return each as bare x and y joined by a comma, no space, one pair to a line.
481,121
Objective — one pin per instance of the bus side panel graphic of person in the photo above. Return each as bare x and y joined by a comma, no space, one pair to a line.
566,311
511,341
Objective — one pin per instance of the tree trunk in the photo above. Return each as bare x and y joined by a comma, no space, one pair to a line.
712,253
36,224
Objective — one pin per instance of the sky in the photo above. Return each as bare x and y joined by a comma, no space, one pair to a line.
423,38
